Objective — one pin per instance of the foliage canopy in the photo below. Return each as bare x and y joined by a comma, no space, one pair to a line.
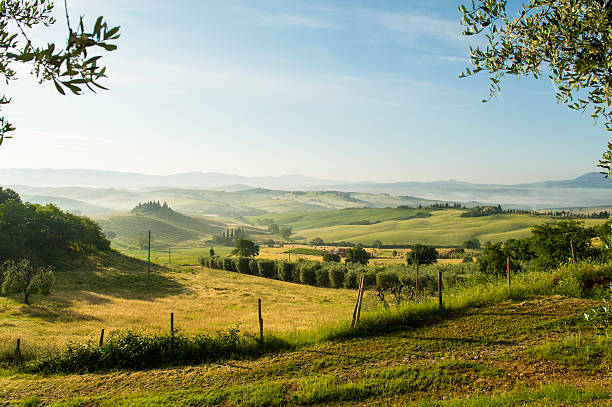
70,67
23,276
570,41
245,248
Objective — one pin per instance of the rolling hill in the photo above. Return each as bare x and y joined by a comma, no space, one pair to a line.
167,227
441,228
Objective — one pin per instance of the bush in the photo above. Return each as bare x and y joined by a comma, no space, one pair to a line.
267,268
370,279
286,271
336,276
253,267
493,261
242,265
308,273
228,264
387,280
468,258
351,280
331,257
134,350
322,277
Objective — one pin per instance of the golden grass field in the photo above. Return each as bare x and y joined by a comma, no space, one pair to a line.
112,294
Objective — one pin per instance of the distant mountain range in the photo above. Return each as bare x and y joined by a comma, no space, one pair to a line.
589,190
131,180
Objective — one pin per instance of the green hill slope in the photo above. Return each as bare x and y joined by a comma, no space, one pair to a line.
167,227
442,228
353,216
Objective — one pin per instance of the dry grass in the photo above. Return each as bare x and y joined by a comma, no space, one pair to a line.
87,300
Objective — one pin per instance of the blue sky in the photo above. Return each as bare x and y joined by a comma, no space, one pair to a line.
352,90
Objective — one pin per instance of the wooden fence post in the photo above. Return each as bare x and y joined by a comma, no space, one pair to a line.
18,356
357,310
508,271
440,290
573,253
172,325
101,337
149,262
417,276
261,337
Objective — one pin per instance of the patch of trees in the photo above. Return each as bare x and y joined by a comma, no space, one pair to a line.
472,244
478,211
229,236
43,234
550,245
151,206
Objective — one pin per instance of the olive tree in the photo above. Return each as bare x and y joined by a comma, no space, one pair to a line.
70,67
570,41
23,276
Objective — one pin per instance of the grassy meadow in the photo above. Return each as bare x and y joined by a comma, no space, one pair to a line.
442,228
487,348
110,293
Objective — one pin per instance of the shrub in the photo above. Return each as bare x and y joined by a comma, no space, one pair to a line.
322,275
286,271
134,350
336,276
351,279
267,268
228,264
387,280
493,261
253,267
242,265
331,257
370,279
468,258
308,273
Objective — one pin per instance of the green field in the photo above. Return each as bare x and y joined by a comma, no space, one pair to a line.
443,228
178,255
323,219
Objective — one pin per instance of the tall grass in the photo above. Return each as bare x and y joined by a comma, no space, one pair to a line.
132,350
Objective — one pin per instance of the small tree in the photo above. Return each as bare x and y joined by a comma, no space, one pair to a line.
285,232
317,241
394,253
472,244
494,260
552,242
331,257
377,244
422,254
245,248
357,254
23,276
212,252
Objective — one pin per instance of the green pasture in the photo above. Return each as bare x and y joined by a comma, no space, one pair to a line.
311,220
443,228
179,255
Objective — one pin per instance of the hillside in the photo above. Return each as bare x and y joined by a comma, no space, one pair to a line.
167,227
495,354
441,228
353,216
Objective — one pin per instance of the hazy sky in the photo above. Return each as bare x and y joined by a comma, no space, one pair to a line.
354,90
